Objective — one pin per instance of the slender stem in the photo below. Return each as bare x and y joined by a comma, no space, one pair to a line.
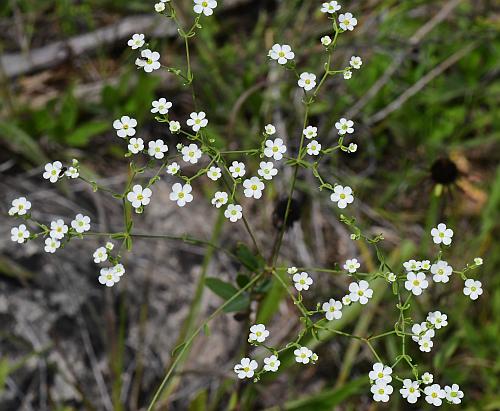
190,340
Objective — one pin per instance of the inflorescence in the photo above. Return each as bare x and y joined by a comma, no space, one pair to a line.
234,179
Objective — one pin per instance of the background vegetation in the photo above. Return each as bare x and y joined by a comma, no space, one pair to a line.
426,105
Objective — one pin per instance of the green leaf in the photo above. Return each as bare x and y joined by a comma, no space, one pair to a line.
248,259
178,349
82,135
240,303
226,291
21,143
242,280
221,288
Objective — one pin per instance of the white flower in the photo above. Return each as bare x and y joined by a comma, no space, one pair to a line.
330,7
275,149
246,368
100,255
173,168
380,373
441,234
381,392
135,145
20,206
258,333
326,41
281,53
434,394
425,345
181,194
139,196
355,62
81,223
427,378
307,81
220,198
352,265
233,212
342,196
412,265
271,363
346,300
125,126
352,148
237,169
197,121
303,355
473,288
310,132
174,126
137,41
270,129
159,7
292,270
313,148
119,270
214,173
437,319
191,154
51,245
157,149
344,126
58,229
416,282
266,170
360,292
149,61
453,394
108,277
478,261
19,234
204,6
347,21
421,332
441,271
347,74
161,106
391,277
72,172
424,265
52,171
253,187
410,390
302,281
332,309
109,246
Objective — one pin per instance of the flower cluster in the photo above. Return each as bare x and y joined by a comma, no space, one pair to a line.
233,183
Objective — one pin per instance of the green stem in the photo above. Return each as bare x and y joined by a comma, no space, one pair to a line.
190,340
